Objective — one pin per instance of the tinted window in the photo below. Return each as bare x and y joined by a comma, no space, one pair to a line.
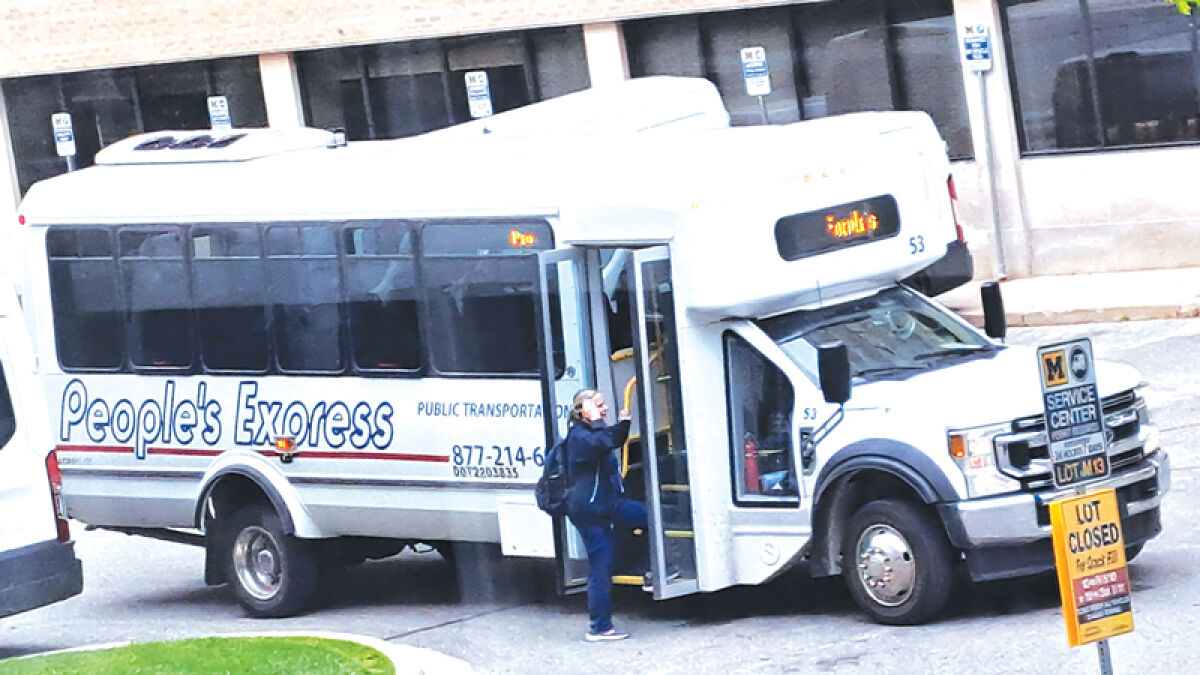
304,288
760,424
229,289
381,296
85,297
481,288
8,420
156,283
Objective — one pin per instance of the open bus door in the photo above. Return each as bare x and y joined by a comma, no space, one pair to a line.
659,423
567,365
574,298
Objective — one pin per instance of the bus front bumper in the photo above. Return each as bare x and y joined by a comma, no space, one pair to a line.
1009,536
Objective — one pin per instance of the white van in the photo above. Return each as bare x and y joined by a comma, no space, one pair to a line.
37,557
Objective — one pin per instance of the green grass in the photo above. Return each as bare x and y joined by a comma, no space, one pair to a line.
214,655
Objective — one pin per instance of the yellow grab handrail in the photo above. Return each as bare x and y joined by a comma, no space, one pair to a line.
628,439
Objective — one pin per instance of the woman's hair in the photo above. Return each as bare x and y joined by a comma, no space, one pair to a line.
577,403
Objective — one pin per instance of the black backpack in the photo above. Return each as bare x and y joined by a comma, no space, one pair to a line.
552,488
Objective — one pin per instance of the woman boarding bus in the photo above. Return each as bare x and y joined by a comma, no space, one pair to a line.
299,352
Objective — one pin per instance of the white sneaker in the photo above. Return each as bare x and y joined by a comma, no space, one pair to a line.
607,636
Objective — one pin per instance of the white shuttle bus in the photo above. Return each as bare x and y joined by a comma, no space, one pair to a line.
300,352
37,557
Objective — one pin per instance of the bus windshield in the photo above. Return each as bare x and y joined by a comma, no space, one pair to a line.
893,333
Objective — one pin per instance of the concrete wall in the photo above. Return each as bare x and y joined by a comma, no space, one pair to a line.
61,35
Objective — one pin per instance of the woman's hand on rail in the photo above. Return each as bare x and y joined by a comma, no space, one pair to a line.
623,415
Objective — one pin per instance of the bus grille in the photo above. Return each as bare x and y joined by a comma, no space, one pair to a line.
1024,454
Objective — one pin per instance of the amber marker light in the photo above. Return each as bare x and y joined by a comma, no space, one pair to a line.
958,447
285,444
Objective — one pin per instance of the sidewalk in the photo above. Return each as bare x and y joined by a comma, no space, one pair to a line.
1087,298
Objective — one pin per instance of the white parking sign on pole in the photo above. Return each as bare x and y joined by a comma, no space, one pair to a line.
64,134
479,95
218,112
754,71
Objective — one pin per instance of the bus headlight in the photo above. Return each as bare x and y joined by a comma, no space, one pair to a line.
972,450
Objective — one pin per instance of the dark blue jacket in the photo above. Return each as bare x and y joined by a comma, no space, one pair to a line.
595,469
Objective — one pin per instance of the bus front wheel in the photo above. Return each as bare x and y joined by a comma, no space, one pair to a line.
273,573
897,563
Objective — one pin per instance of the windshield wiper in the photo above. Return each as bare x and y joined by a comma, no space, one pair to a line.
953,351
887,369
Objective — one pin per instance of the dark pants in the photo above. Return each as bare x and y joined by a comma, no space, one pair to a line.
598,538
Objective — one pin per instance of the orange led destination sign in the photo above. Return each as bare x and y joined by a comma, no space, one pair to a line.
800,235
855,224
1089,553
519,239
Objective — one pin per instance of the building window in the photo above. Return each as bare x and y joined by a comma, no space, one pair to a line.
823,58
402,89
109,105
1091,74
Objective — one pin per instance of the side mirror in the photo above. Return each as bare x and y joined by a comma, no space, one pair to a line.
833,369
995,324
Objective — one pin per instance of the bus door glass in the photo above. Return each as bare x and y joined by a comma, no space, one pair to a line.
567,365
658,424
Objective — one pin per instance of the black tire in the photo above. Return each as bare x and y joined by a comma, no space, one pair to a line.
905,573
273,574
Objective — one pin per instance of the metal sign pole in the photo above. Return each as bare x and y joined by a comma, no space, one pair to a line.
1105,657
762,107
991,170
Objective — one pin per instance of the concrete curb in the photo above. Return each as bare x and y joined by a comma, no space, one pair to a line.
1085,315
407,660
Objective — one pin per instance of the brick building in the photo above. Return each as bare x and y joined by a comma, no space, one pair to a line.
1075,147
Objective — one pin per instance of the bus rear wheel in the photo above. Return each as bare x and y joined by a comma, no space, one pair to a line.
897,563
273,573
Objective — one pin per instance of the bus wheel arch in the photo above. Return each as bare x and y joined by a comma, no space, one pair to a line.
839,499
226,493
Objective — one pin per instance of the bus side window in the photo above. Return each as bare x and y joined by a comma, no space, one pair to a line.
87,305
156,280
481,282
227,271
304,289
760,414
381,291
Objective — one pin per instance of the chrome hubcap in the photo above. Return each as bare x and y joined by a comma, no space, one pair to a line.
257,562
886,566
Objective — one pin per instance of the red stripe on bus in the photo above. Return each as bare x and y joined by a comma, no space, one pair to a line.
214,453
